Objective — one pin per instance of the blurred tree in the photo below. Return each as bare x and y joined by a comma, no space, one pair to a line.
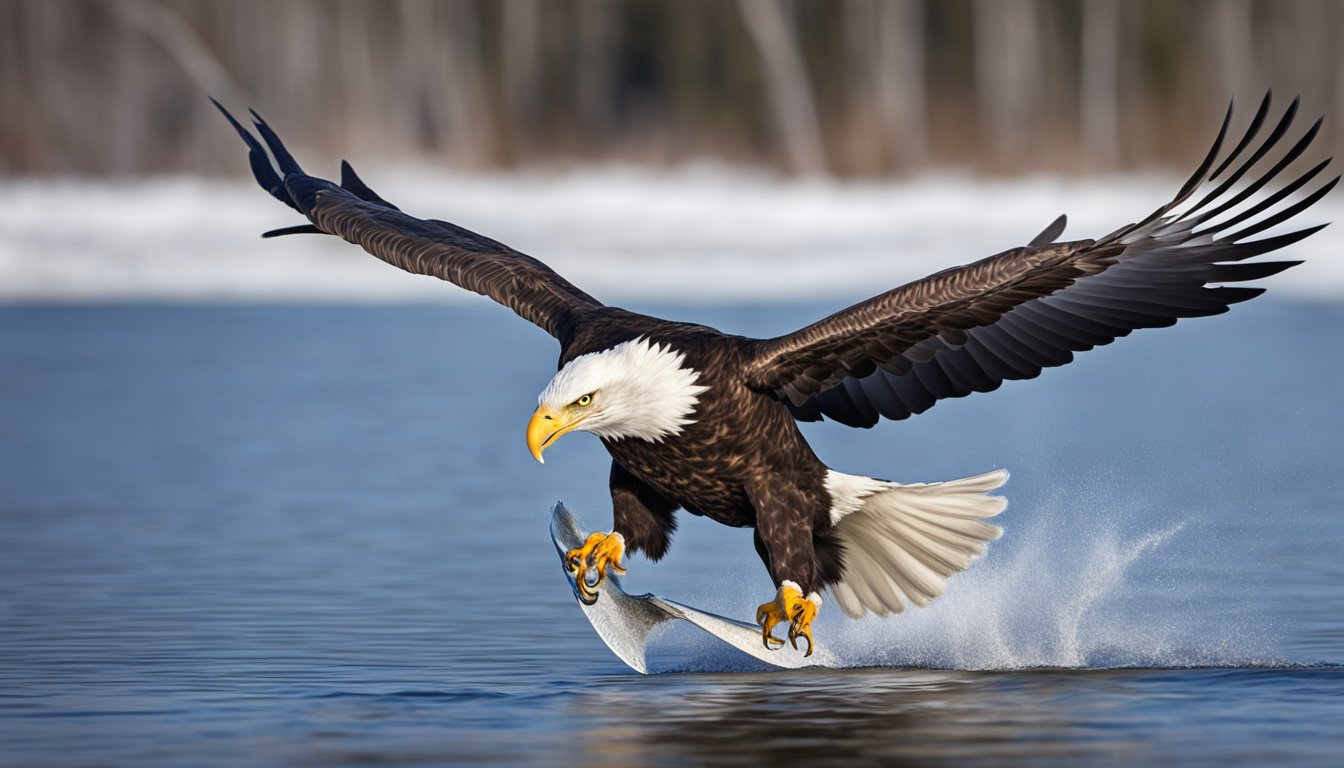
860,87
1099,93
1008,74
790,91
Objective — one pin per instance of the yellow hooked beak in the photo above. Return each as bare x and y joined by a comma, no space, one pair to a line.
546,427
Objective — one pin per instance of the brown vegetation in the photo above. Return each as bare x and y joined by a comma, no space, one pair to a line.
853,87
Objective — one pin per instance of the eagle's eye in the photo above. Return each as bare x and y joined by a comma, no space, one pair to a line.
584,400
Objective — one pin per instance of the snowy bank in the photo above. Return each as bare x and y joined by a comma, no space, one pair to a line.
697,234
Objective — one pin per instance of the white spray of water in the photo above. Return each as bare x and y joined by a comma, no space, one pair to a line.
1019,613
1067,594
1067,587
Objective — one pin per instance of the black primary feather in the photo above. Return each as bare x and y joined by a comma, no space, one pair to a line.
1008,317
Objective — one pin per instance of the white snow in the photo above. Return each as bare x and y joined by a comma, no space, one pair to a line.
707,234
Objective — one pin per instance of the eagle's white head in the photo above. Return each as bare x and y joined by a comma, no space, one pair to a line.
636,389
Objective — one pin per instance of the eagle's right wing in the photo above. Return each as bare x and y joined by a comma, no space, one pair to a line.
423,246
969,329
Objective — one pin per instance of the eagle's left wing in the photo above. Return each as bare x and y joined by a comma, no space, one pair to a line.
355,213
970,328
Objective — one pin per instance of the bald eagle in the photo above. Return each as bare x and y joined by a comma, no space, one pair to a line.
706,421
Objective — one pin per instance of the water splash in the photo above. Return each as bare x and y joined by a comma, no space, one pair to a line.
1063,597
1074,583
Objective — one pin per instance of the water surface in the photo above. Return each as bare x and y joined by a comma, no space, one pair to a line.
312,535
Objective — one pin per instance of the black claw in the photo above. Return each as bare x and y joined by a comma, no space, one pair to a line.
793,640
587,595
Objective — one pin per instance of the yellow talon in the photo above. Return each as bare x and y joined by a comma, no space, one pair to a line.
768,616
800,622
789,604
600,552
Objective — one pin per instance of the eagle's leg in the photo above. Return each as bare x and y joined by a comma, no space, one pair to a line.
785,543
600,552
644,520
789,605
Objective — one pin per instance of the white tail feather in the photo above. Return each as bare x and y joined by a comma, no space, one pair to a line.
902,542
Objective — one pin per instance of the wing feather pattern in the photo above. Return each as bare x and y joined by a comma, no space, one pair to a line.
971,328
439,249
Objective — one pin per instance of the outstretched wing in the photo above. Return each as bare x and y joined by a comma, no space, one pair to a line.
970,328
358,215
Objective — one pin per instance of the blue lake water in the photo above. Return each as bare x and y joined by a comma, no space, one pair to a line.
312,535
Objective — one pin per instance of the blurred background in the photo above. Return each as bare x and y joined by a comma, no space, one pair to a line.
852,87
707,150
268,502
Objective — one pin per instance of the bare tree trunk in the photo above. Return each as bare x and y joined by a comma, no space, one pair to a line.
19,137
446,78
900,79
786,79
520,67
362,104
1099,98
466,81
1337,54
1306,19
861,46
1232,27
132,83
594,65
1008,73
291,41
859,140
56,110
170,31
